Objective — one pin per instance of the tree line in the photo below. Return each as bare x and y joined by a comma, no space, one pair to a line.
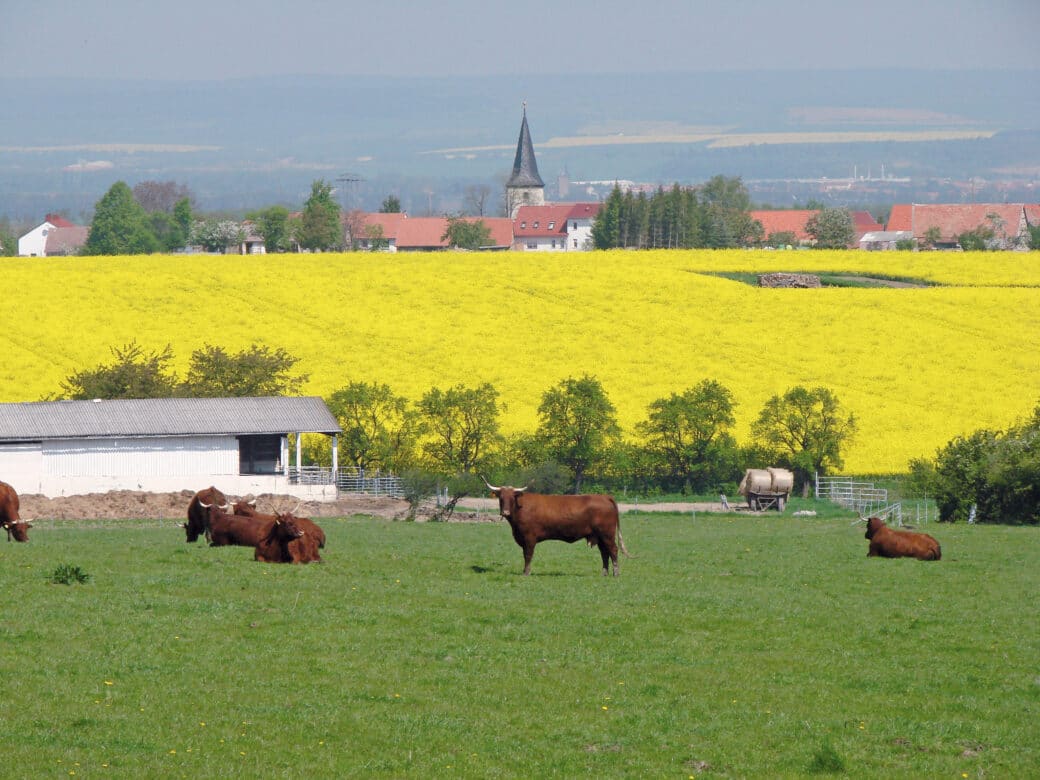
685,444
714,215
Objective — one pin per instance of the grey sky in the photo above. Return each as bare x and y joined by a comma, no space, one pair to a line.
214,39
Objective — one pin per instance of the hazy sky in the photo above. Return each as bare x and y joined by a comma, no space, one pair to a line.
214,39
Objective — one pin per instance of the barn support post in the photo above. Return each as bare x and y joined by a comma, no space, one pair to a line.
299,451
335,457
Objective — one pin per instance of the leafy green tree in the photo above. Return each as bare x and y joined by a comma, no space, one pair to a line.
462,233
391,205
578,425
689,436
978,240
831,228
727,216
319,227
808,426
1034,237
167,230
133,374
273,224
932,236
217,235
120,226
257,371
379,427
781,239
8,240
461,428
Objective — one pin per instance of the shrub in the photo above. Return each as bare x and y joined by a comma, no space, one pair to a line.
67,574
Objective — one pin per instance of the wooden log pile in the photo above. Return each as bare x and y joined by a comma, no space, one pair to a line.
788,280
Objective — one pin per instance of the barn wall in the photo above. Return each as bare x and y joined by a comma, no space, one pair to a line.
154,464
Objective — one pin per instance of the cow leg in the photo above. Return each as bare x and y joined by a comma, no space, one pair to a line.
608,551
528,555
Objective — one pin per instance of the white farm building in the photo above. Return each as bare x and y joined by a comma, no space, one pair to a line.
240,445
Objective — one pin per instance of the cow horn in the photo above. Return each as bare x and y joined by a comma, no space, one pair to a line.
521,490
204,505
490,487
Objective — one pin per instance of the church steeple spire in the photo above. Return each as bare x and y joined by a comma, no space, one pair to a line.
525,186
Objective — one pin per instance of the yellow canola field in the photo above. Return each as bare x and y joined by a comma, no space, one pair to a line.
916,366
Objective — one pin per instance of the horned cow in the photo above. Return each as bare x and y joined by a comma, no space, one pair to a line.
10,520
888,542
535,518
200,511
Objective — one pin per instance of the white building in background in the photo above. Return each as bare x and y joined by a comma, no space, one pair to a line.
34,243
161,445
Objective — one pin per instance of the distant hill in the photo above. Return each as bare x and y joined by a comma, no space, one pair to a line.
244,144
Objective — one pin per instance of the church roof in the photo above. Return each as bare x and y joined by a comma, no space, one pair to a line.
525,168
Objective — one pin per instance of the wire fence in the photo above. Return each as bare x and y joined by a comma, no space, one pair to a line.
349,480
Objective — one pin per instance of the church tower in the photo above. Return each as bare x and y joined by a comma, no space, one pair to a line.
525,187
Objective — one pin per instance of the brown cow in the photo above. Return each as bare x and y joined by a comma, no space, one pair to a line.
200,508
276,545
10,521
236,530
892,543
312,529
535,518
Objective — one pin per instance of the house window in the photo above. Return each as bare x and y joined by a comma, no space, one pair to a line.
575,243
532,245
536,224
552,225
574,226
260,454
554,243
523,224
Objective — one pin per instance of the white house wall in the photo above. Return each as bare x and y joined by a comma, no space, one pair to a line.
154,464
34,242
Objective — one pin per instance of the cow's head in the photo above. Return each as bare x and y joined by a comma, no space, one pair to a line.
203,506
285,527
245,508
874,524
19,529
508,499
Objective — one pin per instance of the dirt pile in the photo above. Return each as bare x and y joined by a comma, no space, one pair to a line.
129,504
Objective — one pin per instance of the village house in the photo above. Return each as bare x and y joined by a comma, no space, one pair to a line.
557,227
401,233
940,225
792,222
54,236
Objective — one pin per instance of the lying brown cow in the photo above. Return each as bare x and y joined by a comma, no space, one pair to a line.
200,508
892,543
10,520
277,544
535,518
312,529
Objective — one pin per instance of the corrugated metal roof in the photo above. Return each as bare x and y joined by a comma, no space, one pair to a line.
164,417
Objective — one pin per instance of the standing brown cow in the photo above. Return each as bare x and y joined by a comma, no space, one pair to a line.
200,508
10,521
892,543
534,518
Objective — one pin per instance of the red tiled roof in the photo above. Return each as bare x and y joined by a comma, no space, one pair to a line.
784,221
58,221
953,219
425,232
548,221
65,240
901,217
584,211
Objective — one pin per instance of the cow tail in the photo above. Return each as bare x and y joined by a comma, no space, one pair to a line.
620,538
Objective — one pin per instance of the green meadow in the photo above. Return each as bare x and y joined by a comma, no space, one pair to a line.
730,646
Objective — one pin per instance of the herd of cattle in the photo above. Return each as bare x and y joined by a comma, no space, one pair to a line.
532,517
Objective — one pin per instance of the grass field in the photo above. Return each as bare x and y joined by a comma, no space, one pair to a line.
729,647
916,366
